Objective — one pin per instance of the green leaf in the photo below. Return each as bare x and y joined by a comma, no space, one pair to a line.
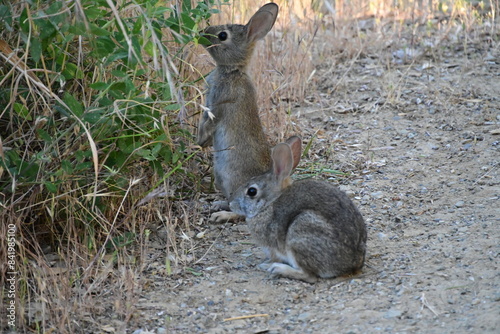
98,31
138,25
166,153
93,116
188,23
73,104
67,167
157,167
186,6
173,106
24,22
117,54
150,48
104,46
94,13
119,74
51,187
70,70
156,149
119,86
29,171
137,48
36,49
100,86
127,145
84,166
116,159
47,29
44,135
176,156
6,17
146,154
78,28
54,9
22,111
201,40
120,241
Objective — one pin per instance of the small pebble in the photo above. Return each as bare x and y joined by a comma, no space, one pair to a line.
459,204
393,313
303,316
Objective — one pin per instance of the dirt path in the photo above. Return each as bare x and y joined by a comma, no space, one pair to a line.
423,145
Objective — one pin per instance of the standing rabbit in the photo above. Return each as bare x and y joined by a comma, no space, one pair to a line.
308,228
231,123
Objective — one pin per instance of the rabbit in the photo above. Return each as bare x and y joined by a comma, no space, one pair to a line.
309,229
231,123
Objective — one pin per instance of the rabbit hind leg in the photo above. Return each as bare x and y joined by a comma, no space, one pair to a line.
286,270
285,264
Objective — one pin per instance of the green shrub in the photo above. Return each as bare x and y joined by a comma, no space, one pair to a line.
92,97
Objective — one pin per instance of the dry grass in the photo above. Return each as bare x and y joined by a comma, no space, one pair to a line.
77,266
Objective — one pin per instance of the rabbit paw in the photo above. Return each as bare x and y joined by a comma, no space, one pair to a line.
265,265
224,216
219,206
287,271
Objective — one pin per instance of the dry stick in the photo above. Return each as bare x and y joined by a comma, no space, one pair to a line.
426,304
495,166
353,61
247,317
213,243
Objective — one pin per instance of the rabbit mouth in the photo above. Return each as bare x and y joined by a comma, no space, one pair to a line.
241,207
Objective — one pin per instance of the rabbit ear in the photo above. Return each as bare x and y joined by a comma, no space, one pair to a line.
295,143
282,163
262,21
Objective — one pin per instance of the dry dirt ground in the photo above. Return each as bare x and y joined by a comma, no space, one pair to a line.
420,142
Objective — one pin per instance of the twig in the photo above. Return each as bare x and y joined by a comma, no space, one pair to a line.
486,174
426,304
247,317
213,243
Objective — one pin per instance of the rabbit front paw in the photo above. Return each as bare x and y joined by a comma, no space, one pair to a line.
224,216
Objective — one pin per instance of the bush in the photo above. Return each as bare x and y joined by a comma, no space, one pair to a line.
93,102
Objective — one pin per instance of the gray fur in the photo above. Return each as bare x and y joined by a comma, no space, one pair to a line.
308,228
235,131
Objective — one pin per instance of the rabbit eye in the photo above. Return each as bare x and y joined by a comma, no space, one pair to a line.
222,36
252,191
